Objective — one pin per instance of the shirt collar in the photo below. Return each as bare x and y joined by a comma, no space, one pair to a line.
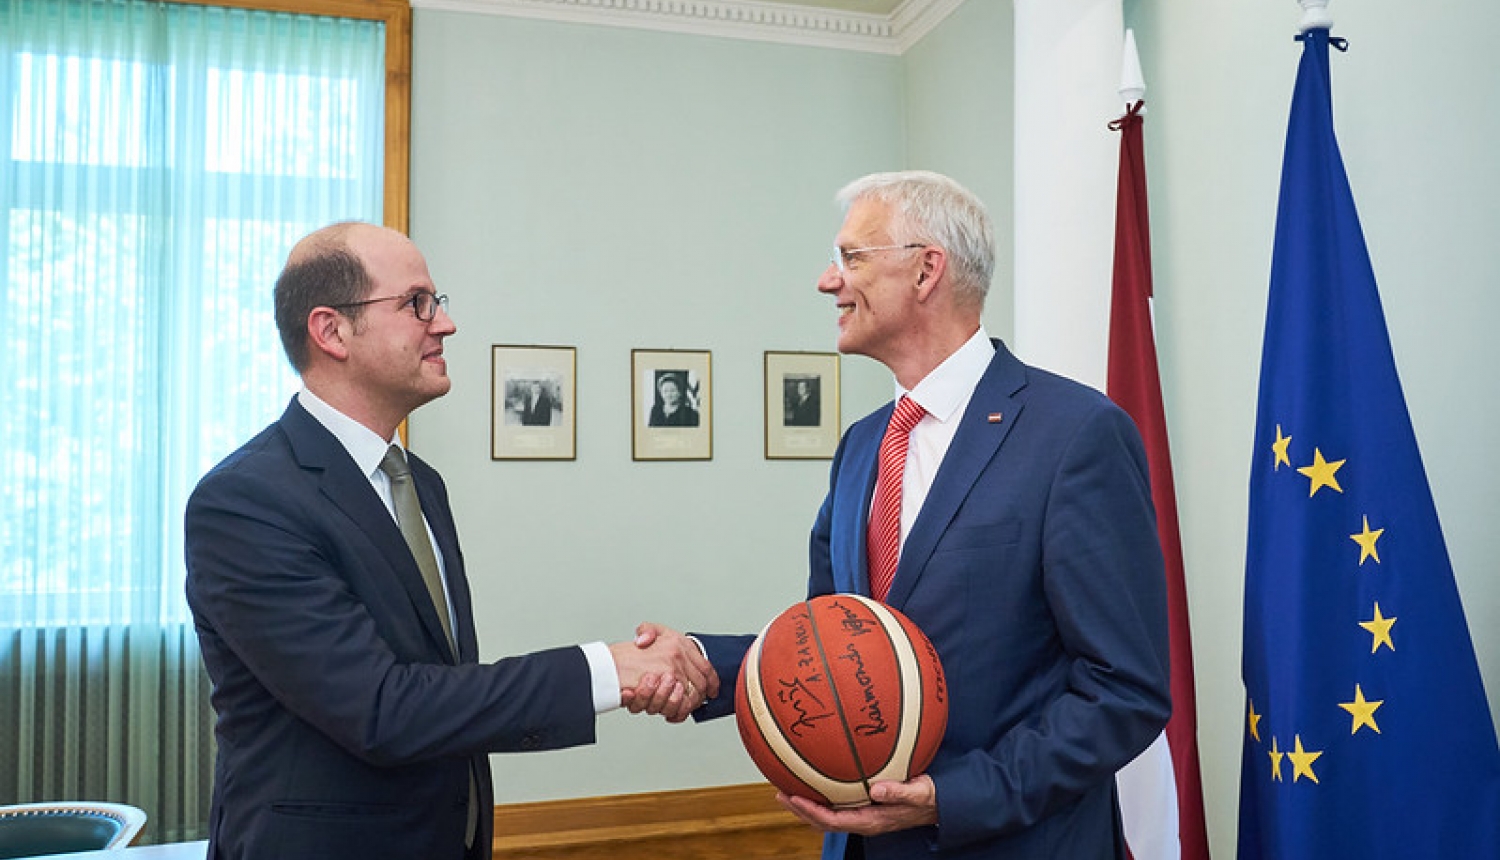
362,443
948,387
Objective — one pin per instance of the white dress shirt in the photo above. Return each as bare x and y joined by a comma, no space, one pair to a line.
368,449
944,394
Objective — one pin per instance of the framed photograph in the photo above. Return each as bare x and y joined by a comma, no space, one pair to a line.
802,405
533,402
671,396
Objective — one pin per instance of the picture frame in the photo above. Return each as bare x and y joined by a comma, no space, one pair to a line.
802,405
671,397
533,402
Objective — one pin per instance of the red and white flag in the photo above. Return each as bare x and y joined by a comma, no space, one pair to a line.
1161,792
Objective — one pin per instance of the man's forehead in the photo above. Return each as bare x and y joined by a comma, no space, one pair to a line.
866,217
368,239
390,255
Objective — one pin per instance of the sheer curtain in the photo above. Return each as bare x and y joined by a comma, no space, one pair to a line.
156,162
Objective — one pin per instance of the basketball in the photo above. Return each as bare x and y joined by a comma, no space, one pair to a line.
837,693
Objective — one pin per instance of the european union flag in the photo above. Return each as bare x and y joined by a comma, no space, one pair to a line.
1367,731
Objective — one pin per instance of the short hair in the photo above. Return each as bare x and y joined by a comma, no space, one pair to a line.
933,209
322,272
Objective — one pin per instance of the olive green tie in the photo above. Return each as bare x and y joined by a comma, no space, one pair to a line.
414,529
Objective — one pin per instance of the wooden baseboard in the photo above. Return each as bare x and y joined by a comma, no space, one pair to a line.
734,822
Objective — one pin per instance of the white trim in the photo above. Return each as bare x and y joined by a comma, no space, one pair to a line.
916,18
733,19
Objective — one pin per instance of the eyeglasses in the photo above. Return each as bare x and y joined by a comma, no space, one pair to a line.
423,304
842,257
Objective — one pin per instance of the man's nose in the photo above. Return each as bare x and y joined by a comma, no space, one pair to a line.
831,280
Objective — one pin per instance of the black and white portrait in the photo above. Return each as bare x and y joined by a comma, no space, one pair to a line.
802,405
534,399
671,413
801,400
676,399
534,402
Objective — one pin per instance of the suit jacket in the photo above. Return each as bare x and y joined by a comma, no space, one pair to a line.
1035,569
803,413
345,726
685,416
538,413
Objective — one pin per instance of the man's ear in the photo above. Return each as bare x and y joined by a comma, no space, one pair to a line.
328,332
934,263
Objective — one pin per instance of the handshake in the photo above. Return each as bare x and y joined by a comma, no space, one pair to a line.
663,672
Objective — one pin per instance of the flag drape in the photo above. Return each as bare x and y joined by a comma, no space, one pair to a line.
1135,384
1367,733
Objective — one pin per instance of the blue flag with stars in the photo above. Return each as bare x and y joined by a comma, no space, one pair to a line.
1367,730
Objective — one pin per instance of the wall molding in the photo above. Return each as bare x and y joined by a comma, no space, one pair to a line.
734,19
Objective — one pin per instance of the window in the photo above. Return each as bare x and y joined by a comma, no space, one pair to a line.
162,160
157,160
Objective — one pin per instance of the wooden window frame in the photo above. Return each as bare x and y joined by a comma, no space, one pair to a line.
396,14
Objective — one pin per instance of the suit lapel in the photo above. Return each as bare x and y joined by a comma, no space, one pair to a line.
349,491
985,424
852,512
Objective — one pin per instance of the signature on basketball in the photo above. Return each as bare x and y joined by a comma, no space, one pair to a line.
874,723
805,702
939,684
804,643
852,622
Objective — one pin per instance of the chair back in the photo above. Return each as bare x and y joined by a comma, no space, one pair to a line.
36,829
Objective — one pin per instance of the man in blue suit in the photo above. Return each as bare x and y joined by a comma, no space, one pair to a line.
354,719
1028,551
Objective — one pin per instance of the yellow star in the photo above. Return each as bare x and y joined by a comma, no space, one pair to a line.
1302,761
1380,630
1321,472
1366,540
1280,446
1363,712
1254,723
1276,755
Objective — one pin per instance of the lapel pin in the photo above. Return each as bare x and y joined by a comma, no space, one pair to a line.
994,417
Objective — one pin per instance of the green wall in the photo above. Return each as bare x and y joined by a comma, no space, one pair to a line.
612,189
960,83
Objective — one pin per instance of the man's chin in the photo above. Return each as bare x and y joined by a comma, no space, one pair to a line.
434,388
849,346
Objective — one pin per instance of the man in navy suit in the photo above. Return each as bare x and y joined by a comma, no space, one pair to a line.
354,719
1028,552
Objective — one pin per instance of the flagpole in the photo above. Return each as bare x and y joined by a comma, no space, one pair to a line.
1132,80
1315,15
1161,790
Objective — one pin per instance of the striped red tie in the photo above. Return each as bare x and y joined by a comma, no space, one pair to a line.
884,536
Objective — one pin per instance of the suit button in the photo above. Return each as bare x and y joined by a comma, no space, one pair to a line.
531,742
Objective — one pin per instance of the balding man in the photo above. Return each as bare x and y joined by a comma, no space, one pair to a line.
329,595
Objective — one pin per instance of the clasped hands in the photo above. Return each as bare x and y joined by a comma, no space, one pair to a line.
663,672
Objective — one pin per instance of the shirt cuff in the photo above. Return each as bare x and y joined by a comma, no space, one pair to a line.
604,677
